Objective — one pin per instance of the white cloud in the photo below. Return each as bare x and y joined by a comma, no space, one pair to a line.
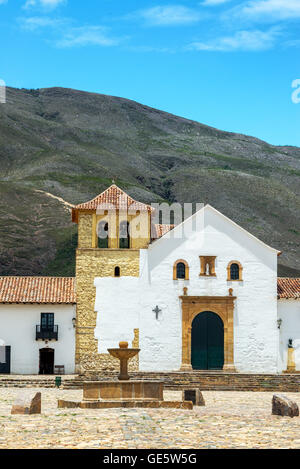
36,22
240,41
86,35
68,35
292,43
268,9
49,4
214,2
169,15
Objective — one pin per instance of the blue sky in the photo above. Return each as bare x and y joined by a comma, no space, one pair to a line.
225,63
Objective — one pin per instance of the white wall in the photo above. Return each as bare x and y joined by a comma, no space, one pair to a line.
119,311
289,312
127,302
17,329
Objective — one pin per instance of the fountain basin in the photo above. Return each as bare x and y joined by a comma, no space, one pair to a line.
122,390
123,353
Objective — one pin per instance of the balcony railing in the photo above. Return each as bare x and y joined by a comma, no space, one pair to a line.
46,333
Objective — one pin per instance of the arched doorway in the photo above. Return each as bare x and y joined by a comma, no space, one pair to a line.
46,361
207,342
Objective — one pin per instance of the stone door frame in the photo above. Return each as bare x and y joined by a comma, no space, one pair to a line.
223,306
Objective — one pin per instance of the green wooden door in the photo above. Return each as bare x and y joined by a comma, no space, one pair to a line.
207,342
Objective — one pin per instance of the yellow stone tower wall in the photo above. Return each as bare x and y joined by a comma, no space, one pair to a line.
92,262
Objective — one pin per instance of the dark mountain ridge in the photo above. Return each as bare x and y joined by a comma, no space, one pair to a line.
59,145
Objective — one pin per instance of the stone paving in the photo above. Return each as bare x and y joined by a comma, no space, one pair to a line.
229,420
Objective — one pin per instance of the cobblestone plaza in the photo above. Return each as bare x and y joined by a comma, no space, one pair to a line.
229,420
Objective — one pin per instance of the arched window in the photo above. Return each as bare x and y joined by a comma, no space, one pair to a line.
117,271
180,270
124,238
234,270
102,233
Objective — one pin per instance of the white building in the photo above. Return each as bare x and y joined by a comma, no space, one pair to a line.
37,318
204,295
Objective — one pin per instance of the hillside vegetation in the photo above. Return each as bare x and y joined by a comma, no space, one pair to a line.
71,144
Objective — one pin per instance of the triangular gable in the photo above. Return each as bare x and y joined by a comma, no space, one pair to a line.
209,207
176,230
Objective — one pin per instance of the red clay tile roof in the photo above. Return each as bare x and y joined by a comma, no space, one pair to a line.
160,230
62,289
37,290
288,287
113,196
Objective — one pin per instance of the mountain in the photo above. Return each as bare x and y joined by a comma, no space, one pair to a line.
61,146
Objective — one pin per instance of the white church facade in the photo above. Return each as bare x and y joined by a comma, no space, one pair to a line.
203,295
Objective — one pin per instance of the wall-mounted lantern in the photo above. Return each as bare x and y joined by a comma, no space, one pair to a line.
279,322
290,344
74,322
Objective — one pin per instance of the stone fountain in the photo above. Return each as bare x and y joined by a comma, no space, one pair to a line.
123,353
124,392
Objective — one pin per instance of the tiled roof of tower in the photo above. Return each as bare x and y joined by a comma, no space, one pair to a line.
37,290
162,229
288,287
113,196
